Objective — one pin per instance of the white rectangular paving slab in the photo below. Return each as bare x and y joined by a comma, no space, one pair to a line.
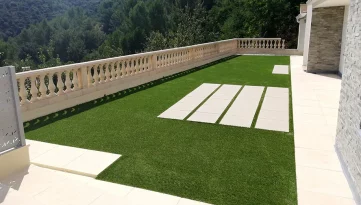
213,108
244,108
74,160
274,114
186,105
280,69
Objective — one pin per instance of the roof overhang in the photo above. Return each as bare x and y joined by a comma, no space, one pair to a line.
328,3
301,16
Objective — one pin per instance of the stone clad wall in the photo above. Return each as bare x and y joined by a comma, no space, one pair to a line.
348,140
325,41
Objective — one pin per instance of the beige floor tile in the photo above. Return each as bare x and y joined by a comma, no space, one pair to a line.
275,104
216,106
38,148
332,120
309,118
204,117
111,188
184,201
237,121
323,181
314,198
317,142
69,192
318,159
142,197
280,69
333,112
34,181
58,157
282,126
85,163
18,198
277,92
307,110
313,129
174,114
109,199
309,103
274,115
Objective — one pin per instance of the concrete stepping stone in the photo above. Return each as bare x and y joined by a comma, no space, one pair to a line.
70,159
281,69
185,106
244,108
274,114
213,108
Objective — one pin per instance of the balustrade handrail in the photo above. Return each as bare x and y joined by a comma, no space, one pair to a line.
101,61
107,60
39,88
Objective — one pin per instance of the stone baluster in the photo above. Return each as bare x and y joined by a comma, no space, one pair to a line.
279,44
89,76
67,81
101,73
51,86
75,79
137,65
118,71
96,75
122,69
33,89
129,68
23,93
107,73
283,44
42,87
112,71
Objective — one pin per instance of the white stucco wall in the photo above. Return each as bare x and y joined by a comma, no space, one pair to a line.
301,34
344,31
307,34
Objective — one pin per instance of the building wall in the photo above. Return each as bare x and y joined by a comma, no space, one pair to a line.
307,34
348,139
301,34
344,32
325,39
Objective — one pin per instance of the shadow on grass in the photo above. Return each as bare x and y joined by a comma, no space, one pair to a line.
48,119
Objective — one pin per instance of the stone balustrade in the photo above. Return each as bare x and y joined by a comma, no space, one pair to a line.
261,43
49,90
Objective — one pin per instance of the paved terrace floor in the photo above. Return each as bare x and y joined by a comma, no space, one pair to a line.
320,179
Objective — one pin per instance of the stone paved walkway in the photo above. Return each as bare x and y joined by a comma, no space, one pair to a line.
320,179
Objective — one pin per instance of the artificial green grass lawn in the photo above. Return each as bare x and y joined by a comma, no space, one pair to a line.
207,162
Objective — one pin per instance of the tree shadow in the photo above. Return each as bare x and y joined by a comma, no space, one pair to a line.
69,112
